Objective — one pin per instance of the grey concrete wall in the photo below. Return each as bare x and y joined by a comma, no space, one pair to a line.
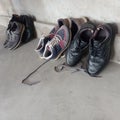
48,11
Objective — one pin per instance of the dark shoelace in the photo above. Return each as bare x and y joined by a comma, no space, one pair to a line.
30,74
64,66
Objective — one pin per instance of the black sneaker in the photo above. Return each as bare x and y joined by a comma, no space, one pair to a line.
76,24
100,49
79,45
29,32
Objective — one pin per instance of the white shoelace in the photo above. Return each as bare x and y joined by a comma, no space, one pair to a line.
54,41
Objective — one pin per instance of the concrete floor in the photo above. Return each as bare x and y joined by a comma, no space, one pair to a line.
58,96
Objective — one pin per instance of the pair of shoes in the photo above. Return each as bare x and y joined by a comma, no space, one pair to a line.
95,39
58,40
20,30
43,41
53,45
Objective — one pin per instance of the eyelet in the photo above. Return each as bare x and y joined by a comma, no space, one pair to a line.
92,31
98,28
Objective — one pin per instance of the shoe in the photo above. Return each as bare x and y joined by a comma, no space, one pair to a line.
14,18
100,49
44,39
7,37
76,25
41,45
64,21
59,43
73,24
29,28
29,32
79,44
15,35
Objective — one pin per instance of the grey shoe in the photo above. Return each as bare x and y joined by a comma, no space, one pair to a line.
15,35
14,18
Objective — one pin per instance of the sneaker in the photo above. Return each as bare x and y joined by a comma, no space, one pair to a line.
41,45
76,25
73,24
44,39
59,43
29,32
15,35
79,44
100,49
29,28
7,37
14,18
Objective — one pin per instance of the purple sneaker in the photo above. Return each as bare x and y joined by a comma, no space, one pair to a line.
43,41
60,42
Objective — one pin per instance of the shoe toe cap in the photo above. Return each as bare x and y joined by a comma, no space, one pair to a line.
94,68
71,59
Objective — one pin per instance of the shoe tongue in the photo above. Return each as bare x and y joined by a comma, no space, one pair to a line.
83,44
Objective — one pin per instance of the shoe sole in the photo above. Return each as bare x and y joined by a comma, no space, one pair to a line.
20,40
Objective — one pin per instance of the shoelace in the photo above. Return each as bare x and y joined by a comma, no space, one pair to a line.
54,41
25,80
64,66
96,51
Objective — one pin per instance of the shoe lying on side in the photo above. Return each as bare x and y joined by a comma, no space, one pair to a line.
100,49
59,43
15,35
79,44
